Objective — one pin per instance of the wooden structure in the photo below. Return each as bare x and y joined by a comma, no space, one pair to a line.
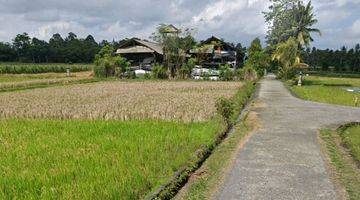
141,52
216,52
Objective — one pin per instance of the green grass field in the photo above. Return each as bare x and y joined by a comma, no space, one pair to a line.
351,138
78,159
329,90
35,68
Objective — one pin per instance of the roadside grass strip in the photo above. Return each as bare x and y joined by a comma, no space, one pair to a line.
345,167
204,184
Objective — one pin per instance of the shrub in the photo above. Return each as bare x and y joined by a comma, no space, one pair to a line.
226,74
286,73
159,72
248,73
109,65
225,108
147,76
186,68
99,71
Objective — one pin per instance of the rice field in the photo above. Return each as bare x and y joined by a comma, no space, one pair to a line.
105,140
329,90
13,82
6,78
85,159
116,100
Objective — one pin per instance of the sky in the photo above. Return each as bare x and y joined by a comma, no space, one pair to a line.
233,20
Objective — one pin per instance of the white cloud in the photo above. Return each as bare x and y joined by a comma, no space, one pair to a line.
355,28
233,20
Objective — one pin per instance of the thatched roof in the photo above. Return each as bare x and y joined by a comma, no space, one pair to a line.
135,49
170,29
135,45
225,45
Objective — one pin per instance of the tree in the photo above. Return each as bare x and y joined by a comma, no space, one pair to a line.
240,55
280,19
255,47
7,53
73,49
290,18
107,64
57,48
21,45
90,49
39,51
290,21
304,19
176,43
258,58
286,54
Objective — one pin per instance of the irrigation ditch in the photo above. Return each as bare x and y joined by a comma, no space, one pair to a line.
181,177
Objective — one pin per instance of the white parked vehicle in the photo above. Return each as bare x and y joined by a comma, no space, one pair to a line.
199,73
141,72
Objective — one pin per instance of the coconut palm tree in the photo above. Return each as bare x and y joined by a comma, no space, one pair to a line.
304,19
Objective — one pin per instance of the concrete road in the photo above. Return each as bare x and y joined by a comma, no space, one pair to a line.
283,160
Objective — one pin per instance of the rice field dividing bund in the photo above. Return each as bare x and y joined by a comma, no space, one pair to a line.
116,100
25,81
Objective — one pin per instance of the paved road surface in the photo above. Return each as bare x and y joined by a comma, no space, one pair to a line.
283,160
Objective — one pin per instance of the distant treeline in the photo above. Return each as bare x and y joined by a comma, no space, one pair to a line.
70,49
343,59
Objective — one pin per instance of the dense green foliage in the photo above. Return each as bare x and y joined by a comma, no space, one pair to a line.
176,43
241,98
78,159
58,50
107,64
351,138
290,26
159,72
226,74
186,68
329,90
290,18
258,58
286,54
13,68
225,108
338,60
